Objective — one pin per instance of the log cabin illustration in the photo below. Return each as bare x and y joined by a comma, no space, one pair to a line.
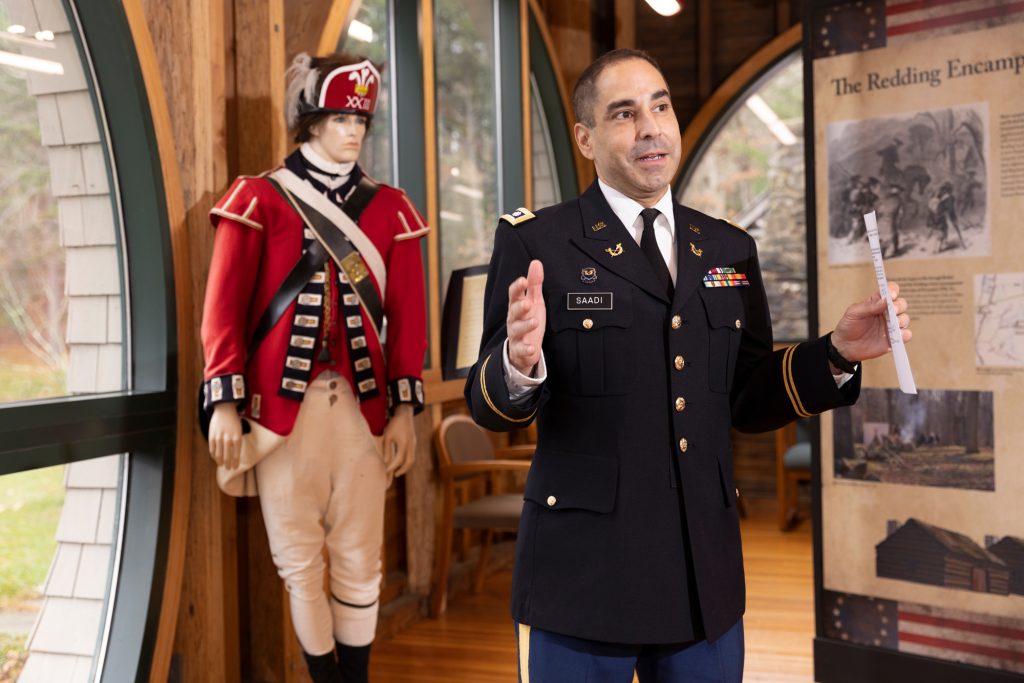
1010,549
919,552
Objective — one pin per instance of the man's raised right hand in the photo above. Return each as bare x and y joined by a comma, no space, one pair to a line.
527,317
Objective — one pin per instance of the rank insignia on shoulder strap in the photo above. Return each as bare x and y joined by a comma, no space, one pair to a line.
518,216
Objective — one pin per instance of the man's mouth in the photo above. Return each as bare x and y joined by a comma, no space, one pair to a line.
654,156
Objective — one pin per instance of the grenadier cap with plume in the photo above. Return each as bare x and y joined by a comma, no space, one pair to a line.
347,89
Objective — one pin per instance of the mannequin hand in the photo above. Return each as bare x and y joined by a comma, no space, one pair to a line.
399,443
527,316
862,333
226,435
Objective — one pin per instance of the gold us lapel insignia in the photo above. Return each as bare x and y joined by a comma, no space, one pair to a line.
600,225
617,250
695,251
694,228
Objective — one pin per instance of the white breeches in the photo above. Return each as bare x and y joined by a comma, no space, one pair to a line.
325,485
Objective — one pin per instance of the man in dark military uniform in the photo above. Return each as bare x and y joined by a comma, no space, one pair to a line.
639,335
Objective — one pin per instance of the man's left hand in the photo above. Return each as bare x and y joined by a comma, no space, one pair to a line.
399,443
862,332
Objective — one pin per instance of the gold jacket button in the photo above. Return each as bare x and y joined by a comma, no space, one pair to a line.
551,501
588,323
737,323
683,445
680,404
677,322
679,362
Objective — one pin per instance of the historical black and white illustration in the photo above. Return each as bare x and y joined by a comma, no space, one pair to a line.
924,173
939,438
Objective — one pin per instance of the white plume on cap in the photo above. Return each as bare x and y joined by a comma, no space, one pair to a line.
301,79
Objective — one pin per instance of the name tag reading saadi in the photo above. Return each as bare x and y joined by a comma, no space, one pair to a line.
589,301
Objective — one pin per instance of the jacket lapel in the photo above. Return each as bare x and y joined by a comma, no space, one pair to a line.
610,244
695,253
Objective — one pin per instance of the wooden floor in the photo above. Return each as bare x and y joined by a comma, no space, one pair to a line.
474,642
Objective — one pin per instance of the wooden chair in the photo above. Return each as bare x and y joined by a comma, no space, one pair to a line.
464,451
792,465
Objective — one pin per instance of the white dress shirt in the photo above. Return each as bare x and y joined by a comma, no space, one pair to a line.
627,210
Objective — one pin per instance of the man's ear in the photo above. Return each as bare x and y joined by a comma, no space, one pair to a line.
583,140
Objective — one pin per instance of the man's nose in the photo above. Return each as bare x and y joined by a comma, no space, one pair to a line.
646,125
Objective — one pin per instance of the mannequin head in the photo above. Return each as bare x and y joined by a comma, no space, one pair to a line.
338,137
330,102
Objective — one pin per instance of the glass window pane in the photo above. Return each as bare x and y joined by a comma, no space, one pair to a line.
752,173
58,527
545,172
61,304
368,35
467,154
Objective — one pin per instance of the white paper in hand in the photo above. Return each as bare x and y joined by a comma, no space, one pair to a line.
899,350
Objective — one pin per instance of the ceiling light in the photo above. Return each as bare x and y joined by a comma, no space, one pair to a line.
15,29
43,66
44,35
357,30
666,8
768,116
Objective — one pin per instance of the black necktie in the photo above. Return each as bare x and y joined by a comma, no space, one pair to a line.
649,245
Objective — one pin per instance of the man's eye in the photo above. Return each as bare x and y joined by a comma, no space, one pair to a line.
623,115
661,107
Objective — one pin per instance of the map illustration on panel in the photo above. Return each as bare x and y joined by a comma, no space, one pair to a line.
924,173
935,438
999,319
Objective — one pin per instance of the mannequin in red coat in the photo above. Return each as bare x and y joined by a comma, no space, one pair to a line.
327,398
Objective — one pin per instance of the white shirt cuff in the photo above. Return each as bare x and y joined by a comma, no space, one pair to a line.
519,385
842,379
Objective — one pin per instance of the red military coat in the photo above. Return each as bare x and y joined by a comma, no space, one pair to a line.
259,238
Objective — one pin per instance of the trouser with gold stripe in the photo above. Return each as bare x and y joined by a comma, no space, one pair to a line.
546,657
325,486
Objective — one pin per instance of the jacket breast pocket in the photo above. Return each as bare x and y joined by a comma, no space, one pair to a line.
725,329
592,355
571,481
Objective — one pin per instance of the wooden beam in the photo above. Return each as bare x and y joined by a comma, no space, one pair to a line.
306,24
705,52
338,17
189,43
259,84
625,24
783,16
178,534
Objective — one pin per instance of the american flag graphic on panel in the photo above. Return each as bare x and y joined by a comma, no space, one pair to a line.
871,24
979,639
954,635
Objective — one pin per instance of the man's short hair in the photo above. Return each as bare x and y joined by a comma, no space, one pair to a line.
585,91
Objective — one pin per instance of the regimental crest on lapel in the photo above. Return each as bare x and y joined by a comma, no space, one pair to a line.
588,276
695,251
616,250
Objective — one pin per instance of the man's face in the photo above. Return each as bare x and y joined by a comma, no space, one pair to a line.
339,137
634,142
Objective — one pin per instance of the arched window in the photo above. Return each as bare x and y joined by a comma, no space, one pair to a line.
87,350
747,166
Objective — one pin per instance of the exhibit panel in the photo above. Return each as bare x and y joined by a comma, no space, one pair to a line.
918,115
